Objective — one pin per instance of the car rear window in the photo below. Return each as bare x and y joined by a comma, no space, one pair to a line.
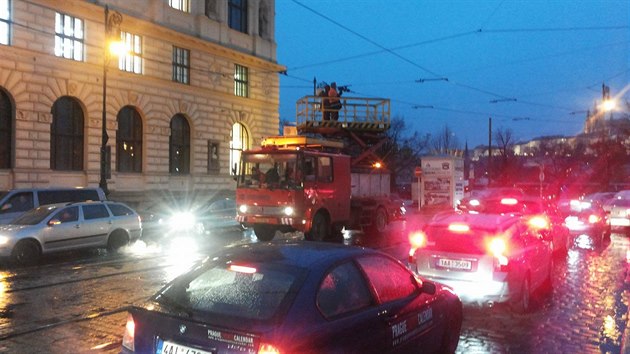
224,290
120,210
440,238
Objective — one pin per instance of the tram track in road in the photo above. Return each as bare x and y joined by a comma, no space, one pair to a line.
53,324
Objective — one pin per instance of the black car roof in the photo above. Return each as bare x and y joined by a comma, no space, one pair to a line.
292,253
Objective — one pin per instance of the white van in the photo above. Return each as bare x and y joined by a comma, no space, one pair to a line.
15,202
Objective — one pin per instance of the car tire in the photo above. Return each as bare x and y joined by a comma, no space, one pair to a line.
264,232
320,230
452,330
522,304
26,252
116,241
380,220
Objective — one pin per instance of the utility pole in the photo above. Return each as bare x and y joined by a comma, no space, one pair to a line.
489,149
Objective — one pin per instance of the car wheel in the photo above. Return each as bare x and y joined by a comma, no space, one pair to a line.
117,240
452,330
26,252
320,230
264,232
523,302
380,220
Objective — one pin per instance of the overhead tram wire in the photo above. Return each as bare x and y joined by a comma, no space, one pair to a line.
367,54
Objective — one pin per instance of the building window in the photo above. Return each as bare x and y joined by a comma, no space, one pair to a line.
69,37
239,141
6,130
240,81
263,20
66,141
181,65
211,8
132,60
179,143
5,22
181,5
213,157
129,141
237,15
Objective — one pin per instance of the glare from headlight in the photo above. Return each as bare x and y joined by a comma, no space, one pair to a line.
4,240
242,208
288,211
183,220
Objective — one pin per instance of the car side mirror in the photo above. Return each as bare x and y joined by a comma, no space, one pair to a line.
53,222
428,287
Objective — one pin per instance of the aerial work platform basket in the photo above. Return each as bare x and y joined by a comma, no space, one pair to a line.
357,114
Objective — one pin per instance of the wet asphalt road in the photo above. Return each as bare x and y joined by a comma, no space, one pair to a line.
75,303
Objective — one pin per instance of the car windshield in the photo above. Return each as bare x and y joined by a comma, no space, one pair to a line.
232,290
35,216
273,170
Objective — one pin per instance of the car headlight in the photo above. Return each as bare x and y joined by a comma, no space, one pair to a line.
4,240
288,211
182,219
242,208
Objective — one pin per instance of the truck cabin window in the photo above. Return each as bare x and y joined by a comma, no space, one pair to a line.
277,170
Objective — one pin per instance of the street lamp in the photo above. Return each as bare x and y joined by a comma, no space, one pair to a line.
112,22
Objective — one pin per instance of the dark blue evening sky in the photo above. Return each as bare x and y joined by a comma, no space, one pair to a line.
534,66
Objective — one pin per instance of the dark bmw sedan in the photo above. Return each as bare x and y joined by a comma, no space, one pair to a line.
296,297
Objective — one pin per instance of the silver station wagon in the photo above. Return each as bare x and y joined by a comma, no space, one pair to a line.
485,258
68,226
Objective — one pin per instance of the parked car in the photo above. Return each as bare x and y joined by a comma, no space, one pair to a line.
15,202
68,226
485,258
170,217
296,297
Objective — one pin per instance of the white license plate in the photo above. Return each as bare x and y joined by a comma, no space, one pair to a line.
454,264
166,347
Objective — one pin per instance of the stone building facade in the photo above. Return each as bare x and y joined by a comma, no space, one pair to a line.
197,83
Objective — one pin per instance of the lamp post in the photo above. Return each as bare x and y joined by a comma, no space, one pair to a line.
111,22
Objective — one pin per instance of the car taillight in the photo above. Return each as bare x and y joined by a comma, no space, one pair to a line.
593,218
128,338
498,247
266,348
417,240
539,222
509,201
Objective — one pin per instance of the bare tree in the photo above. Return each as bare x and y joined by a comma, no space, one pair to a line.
444,142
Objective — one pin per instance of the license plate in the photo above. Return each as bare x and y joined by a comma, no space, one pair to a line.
166,347
454,264
266,220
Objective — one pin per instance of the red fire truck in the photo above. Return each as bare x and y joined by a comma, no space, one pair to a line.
322,179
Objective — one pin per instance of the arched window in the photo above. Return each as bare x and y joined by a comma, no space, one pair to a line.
6,130
179,142
129,141
238,143
66,141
